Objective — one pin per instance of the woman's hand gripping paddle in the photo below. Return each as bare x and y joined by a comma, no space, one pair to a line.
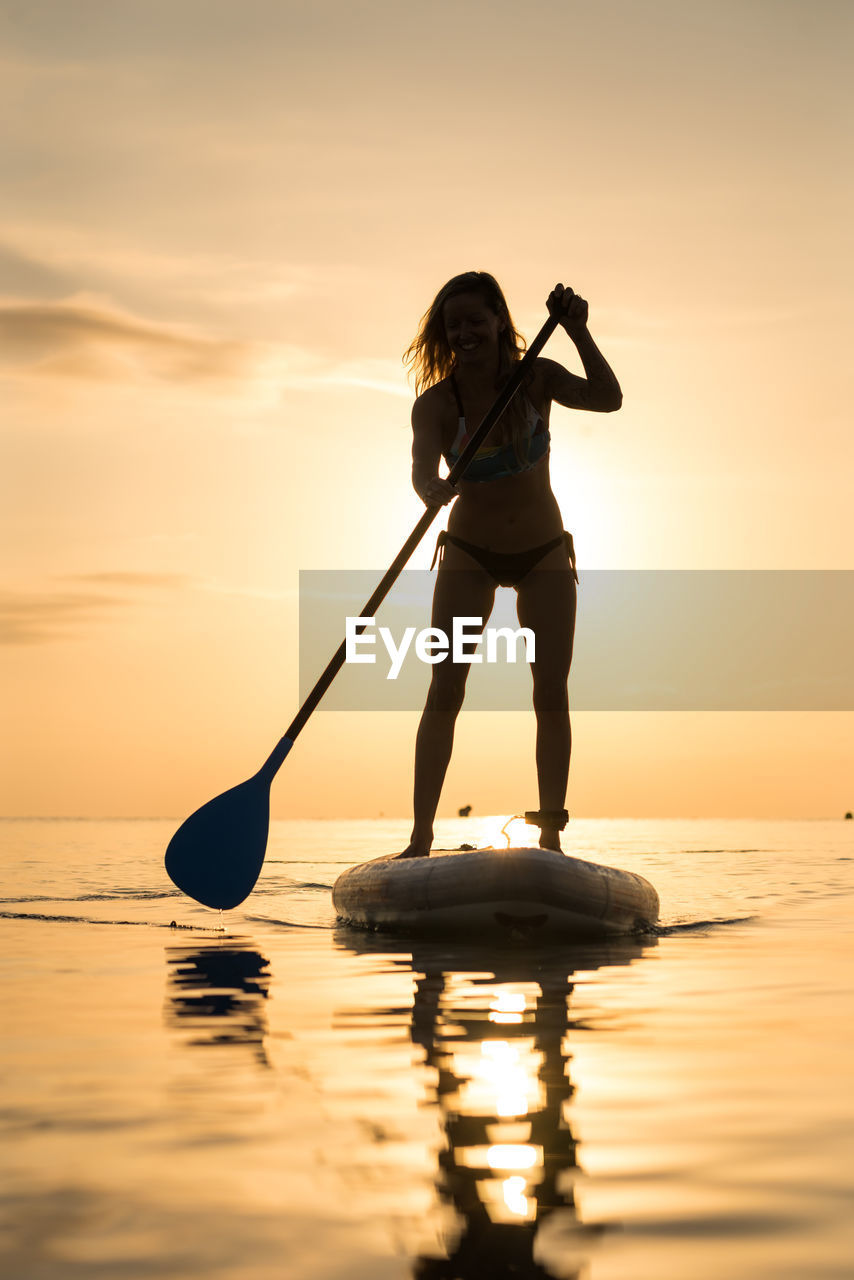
217,854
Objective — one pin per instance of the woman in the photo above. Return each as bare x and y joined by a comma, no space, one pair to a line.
506,529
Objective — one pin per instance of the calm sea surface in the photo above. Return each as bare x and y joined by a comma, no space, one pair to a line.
267,1095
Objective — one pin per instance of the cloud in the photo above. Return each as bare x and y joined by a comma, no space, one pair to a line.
385,376
121,578
31,618
26,276
87,339
37,617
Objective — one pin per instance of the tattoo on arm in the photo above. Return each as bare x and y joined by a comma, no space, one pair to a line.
599,391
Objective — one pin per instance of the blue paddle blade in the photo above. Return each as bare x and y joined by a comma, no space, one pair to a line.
216,856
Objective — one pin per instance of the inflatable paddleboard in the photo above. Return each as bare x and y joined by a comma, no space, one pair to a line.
527,894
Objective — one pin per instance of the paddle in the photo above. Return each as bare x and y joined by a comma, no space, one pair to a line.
217,854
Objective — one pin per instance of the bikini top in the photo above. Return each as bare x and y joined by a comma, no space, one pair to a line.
494,462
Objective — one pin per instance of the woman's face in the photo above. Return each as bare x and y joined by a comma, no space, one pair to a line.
471,327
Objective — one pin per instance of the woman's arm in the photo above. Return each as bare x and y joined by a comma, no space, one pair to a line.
599,391
432,489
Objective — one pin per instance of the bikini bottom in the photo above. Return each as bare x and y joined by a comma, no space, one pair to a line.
507,569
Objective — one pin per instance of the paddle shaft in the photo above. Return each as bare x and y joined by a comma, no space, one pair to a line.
272,765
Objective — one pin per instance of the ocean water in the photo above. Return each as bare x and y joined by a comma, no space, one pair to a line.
265,1094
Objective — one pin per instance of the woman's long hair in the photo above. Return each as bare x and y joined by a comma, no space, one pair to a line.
431,359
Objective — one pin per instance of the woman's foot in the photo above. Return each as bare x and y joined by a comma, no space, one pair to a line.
551,822
415,851
550,839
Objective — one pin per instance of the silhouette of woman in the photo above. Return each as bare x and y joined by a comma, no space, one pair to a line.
506,528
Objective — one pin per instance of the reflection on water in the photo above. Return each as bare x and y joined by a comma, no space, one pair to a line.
496,1034
216,992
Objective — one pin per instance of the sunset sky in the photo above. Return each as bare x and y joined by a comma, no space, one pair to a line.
221,223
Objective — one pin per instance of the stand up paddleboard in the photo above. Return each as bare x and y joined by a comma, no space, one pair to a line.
530,894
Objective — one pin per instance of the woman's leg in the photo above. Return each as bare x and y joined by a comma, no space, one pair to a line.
546,603
461,590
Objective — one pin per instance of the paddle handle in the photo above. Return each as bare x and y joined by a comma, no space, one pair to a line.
276,758
505,395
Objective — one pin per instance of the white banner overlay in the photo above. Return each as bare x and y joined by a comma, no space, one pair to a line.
646,640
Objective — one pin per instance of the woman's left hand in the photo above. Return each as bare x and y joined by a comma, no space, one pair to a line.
437,492
570,309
